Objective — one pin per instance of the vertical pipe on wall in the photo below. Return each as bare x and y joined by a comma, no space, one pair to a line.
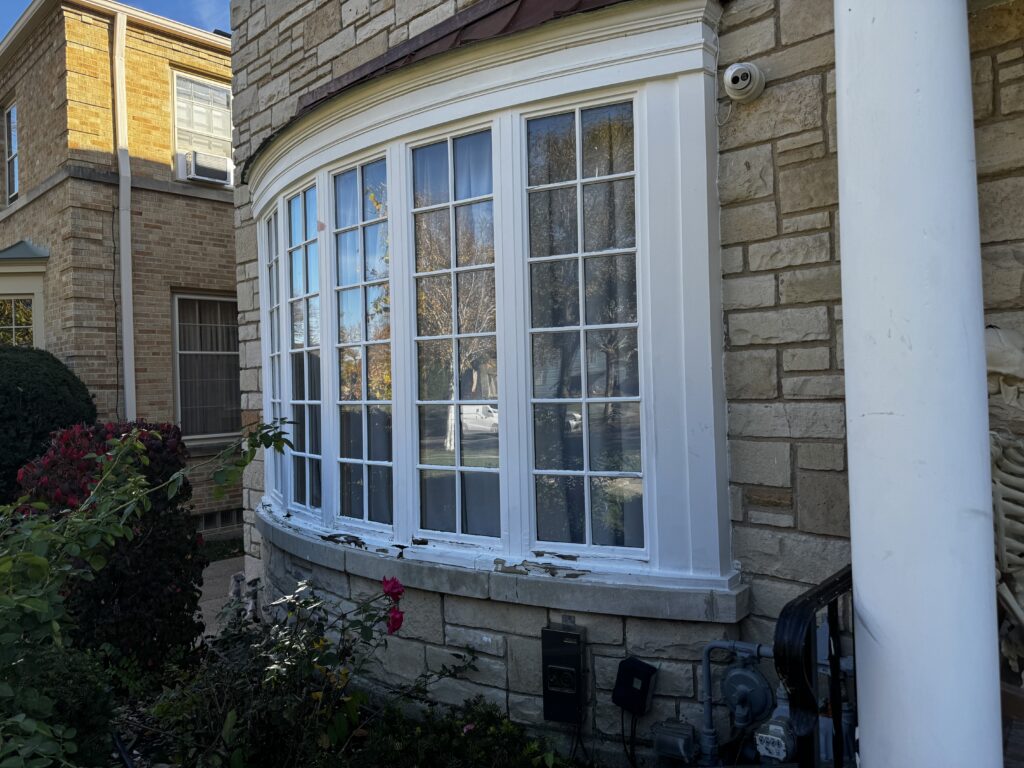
920,495
124,216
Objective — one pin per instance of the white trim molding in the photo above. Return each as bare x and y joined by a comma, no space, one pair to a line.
661,61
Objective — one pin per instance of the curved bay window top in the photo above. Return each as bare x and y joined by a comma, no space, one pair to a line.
515,309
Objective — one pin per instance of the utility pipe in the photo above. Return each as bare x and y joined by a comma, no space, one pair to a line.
916,399
124,217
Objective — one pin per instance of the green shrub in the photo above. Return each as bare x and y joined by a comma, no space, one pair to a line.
38,394
142,607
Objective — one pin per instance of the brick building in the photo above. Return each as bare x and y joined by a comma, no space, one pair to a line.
117,213
582,326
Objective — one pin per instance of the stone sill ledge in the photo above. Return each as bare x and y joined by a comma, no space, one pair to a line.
591,594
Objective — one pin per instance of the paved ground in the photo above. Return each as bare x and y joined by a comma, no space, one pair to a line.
216,583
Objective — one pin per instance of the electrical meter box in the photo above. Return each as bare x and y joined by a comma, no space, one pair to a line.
564,682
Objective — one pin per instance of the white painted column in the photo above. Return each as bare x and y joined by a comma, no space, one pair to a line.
920,496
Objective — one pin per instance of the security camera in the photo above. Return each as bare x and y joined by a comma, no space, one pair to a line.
743,81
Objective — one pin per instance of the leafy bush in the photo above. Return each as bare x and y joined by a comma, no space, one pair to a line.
141,607
38,394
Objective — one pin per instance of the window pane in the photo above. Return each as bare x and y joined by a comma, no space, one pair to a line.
558,436
474,233
375,251
313,366
437,500
346,200
7,310
299,428
611,289
350,315
310,206
436,377
298,273
433,240
430,175
313,429
6,337
553,222
313,313
350,366
298,376
607,140
473,165
351,432
312,268
476,301
378,432
554,293
609,218
378,312
479,435
478,368
352,490
348,258
375,191
481,504
434,305
614,437
561,507
437,434
295,221
299,479
552,149
556,365
617,511
381,501
12,130
298,324
378,372
612,364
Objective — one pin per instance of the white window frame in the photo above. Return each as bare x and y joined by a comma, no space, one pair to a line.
25,281
12,157
664,60
180,159
195,439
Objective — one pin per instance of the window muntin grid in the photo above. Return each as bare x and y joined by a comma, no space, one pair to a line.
363,301
456,336
584,350
202,116
304,335
209,398
274,322
16,321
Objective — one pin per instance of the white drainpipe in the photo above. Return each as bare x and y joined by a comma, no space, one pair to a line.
916,401
124,218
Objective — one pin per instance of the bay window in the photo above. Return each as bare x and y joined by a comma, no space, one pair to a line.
521,342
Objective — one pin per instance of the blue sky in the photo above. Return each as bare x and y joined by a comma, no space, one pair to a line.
205,14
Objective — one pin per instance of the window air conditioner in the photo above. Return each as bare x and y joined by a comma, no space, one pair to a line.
202,167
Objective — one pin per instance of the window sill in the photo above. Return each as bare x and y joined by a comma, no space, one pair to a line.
561,589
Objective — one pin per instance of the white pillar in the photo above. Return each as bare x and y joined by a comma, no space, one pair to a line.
921,520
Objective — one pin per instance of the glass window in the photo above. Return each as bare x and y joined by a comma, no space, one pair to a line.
209,399
273,300
16,321
587,473
11,144
202,112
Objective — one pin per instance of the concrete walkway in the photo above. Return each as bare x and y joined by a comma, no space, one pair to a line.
216,583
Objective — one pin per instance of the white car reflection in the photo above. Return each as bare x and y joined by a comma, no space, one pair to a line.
573,421
480,419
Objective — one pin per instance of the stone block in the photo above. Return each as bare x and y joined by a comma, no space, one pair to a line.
759,463
999,147
398,662
423,619
600,629
751,374
814,185
996,25
781,326
805,286
789,252
746,42
769,498
526,709
732,260
741,11
745,174
796,59
487,670
805,222
789,554
454,692
479,640
524,665
782,109
748,292
771,517
322,24
813,387
813,420
770,596
1002,271
999,209
982,87
673,640
805,359
1011,73
735,503
823,503
496,616
821,456
748,222
801,19
1011,98
608,717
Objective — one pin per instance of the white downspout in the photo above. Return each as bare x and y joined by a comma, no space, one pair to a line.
124,217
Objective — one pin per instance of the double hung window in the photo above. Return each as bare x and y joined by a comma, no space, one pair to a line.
11,151
206,346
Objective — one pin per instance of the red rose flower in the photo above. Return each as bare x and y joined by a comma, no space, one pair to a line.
392,588
395,618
